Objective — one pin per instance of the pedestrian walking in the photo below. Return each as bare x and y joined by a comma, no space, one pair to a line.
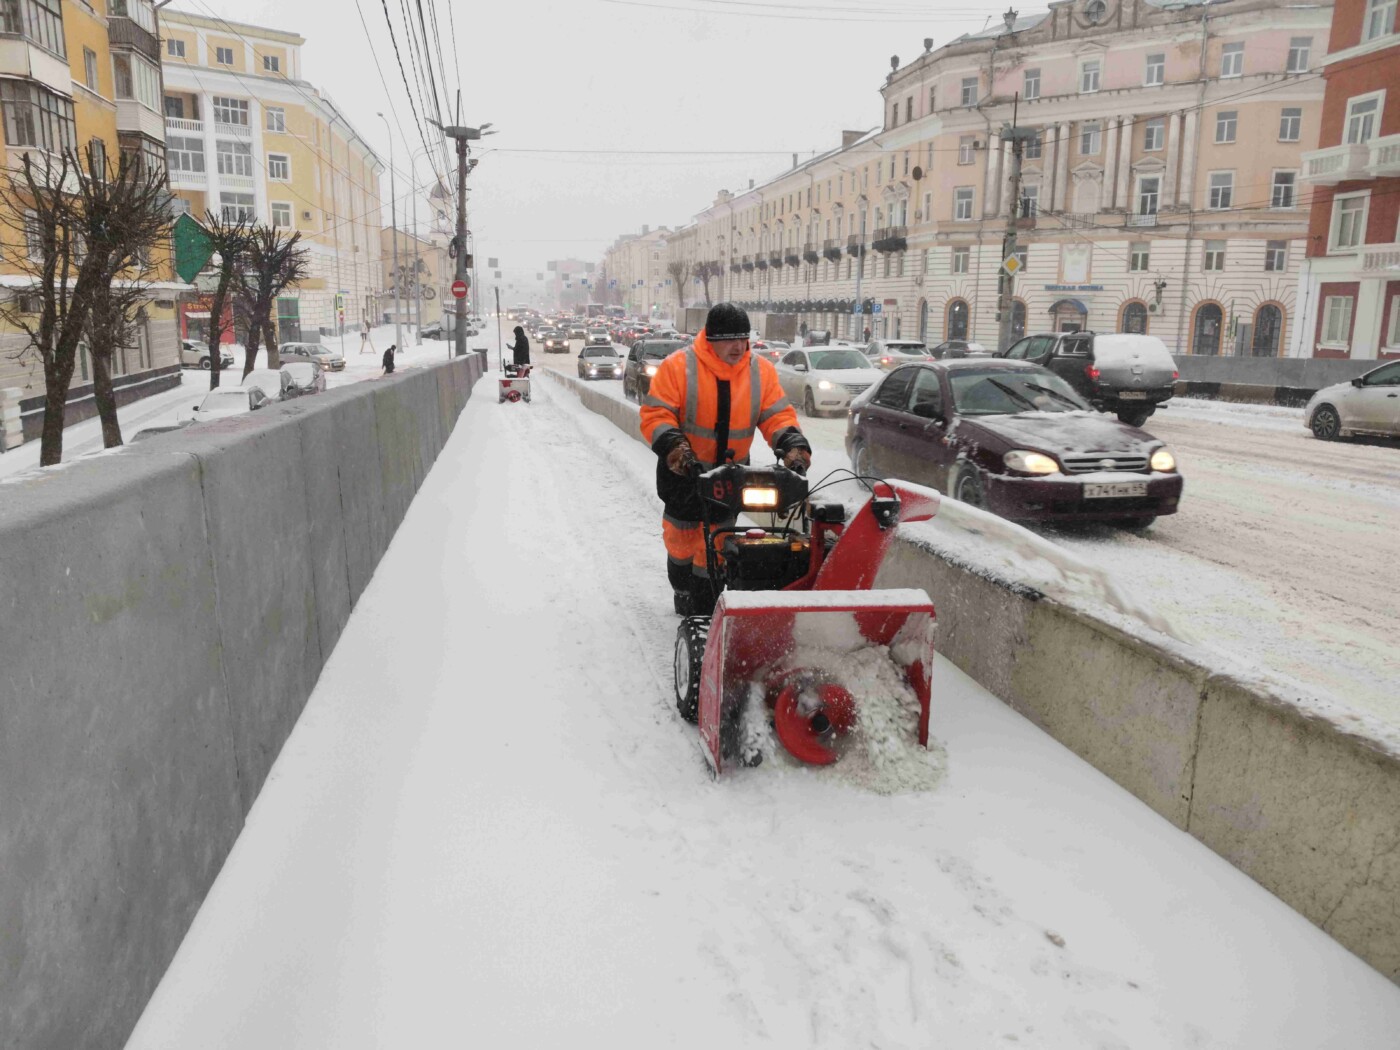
365,340
389,360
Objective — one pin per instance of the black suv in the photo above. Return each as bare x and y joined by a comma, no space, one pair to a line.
1119,372
643,360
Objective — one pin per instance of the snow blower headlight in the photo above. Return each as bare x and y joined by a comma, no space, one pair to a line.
760,497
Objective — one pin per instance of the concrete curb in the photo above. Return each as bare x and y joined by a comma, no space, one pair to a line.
168,610
1307,807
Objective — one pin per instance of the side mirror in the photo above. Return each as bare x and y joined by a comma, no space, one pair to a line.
799,367
1357,382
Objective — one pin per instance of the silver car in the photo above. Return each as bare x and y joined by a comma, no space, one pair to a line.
196,355
324,356
825,379
1369,404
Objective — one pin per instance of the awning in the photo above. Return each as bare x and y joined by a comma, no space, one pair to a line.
1074,304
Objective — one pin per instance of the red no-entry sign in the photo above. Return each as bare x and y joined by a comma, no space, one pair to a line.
459,289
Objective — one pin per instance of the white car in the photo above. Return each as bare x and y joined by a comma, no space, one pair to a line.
1369,404
229,401
276,383
886,354
825,379
196,355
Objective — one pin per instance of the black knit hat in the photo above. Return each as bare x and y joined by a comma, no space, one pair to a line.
726,321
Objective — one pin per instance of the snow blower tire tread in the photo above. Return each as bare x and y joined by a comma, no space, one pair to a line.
691,636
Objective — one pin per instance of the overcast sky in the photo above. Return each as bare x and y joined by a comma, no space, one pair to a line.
597,101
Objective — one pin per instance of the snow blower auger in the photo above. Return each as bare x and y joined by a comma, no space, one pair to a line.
515,384
793,603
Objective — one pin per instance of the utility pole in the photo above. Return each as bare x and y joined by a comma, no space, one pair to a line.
462,135
394,226
1006,303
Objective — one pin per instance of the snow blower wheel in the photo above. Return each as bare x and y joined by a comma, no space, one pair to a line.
690,655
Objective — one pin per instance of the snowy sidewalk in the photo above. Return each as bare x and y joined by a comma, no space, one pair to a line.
490,828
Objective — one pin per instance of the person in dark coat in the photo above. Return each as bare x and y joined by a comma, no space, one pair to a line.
389,360
521,346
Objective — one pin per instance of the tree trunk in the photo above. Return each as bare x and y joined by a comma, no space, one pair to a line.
106,400
55,402
216,329
250,357
274,356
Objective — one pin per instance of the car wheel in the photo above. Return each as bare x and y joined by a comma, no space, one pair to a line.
967,487
809,406
1326,424
204,364
860,461
1134,417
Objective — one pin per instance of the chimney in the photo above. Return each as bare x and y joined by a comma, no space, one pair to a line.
794,160
850,138
750,183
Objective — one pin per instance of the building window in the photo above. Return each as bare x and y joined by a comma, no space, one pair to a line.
272,64
1154,133
97,152
223,56
1149,192
237,206
38,21
1214,257
184,154
894,115
1282,196
1299,48
1392,330
1030,200
281,214
932,99
967,146
1268,327
181,206
175,48
137,79
962,203
1032,149
957,319
1232,60
1031,87
1138,255
1380,18
1222,190
279,167
1348,221
1290,124
1155,73
230,111
1275,256
969,91
1023,256
1094,11
90,68
174,107
1226,123
1089,76
234,158
1336,319
1135,318
276,118
962,258
1361,118
35,116
1090,136
908,116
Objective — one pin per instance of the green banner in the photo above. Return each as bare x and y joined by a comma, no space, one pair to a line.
192,247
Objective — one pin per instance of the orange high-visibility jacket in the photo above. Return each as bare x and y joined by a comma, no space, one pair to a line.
685,395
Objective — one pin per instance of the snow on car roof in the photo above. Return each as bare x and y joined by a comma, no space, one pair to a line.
1124,348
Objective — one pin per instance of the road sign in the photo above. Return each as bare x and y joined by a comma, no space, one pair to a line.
1011,265
877,308
459,289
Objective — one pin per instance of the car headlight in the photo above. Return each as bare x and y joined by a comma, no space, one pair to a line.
823,384
1163,460
651,370
1031,462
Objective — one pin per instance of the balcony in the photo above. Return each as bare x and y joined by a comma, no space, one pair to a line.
735,267
1381,260
233,131
792,258
746,262
890,239
761,261
831,247
187,180
123,32
235,182
183,127
1327,167
853,245
810,253
1384,160
1143,219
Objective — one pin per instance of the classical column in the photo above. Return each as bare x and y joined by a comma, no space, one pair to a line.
1125,164
1004,186
991,196
1062,166
1188,160
1050,153
1169,182
1110,161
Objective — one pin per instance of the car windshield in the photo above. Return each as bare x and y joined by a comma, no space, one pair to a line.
301,371
600,351
661,350
224,402
997,393
837,359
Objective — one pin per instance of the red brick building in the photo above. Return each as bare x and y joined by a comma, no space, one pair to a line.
1349,290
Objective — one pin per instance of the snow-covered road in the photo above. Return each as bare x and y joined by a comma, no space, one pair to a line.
1283,553
490,828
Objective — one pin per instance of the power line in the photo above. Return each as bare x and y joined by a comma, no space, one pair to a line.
422,137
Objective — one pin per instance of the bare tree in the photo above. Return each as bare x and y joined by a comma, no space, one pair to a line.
270,264
229,239
680,273
707,272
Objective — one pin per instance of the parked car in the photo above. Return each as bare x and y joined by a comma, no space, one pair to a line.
1013,438
196,355
229,401
886,354
1128,375
600,362
1369,404
276,383
824,379
307,377
328,359
554,341
597,337
432,330
643,359
955,348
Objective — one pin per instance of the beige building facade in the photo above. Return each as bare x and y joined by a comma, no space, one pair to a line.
426,273
637,263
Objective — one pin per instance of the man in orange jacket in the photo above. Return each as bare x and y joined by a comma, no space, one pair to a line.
705,399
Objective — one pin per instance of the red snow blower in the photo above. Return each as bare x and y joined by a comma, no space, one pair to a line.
794,602
515,384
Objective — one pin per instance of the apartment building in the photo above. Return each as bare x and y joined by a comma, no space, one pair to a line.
248,136
426,273
1350,286
637,262
77,76
1159,194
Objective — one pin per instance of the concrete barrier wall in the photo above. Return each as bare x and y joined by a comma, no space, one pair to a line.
1307,807
166,613
1264,380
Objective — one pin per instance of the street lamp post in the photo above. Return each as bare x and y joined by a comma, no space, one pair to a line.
394,226
461,136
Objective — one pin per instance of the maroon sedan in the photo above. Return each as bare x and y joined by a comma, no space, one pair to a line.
1013,438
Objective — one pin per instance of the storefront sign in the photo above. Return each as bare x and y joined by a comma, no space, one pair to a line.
1074,287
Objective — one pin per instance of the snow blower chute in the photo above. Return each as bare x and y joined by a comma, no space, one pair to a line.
515,384
792,602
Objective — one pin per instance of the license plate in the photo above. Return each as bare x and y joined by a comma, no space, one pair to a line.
1114,489
1132,395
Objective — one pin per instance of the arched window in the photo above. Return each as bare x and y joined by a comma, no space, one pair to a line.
1205,333
957,319
1134,318
1268,327
1018,319
923,320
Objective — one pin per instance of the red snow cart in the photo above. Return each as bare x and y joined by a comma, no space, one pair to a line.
794,605
515,384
